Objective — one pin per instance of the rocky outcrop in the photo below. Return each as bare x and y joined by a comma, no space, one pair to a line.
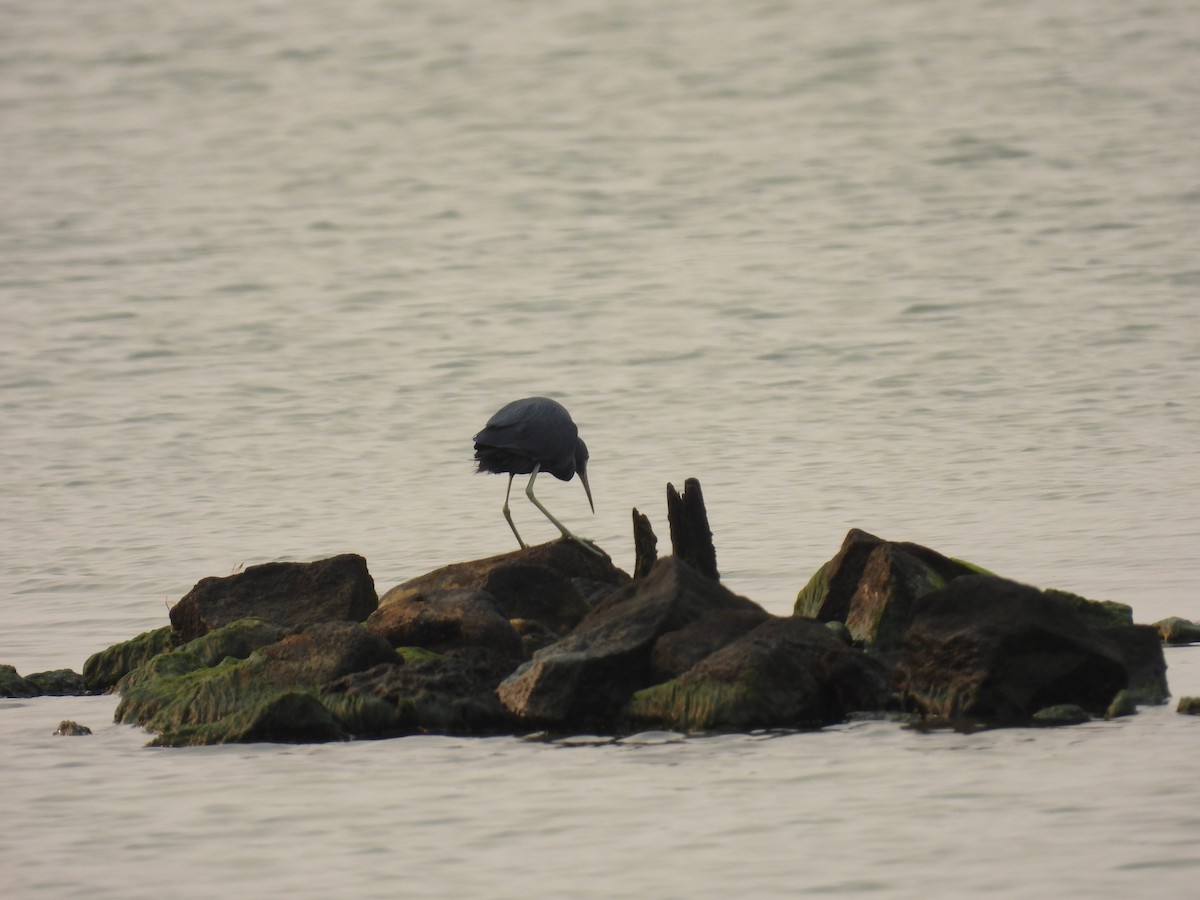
555,637
291,594
785,673
587,677
985,648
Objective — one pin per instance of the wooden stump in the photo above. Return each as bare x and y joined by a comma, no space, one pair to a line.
645,545
691,538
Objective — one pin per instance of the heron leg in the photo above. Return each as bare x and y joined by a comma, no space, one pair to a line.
508,515
566,532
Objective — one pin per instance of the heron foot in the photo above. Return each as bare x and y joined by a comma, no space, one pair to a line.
590,546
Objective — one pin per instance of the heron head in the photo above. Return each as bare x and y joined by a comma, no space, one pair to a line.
581,458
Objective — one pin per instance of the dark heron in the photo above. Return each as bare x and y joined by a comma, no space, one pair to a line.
530,436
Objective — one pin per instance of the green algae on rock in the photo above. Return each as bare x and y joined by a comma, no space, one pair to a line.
104,669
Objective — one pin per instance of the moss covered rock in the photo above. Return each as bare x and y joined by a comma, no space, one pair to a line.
238,699
786,673
13,685
103,670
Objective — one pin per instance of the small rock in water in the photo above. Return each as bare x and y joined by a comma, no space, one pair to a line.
1175,630
1189,706
1122,704
1063,714
67,727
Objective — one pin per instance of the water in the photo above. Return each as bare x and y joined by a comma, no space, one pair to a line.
928,269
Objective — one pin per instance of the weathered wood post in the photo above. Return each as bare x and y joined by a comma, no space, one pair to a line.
691,538
645,545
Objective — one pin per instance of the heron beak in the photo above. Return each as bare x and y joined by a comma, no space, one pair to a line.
587,490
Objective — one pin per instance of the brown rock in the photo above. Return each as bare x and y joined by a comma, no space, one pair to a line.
444,620
550,583
288,593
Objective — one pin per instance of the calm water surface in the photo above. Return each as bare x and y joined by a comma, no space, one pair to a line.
928,269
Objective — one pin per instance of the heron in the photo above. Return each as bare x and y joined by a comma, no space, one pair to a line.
529,436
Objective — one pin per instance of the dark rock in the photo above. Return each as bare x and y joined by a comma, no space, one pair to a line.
589,675
1174,630
13,685
1123,704
786,673
1097,613
987,648
103,670
450,693
71,729
445,620
58,683
1141,651
677,651
1062,714
839,630
1189,706
288,593
534,636
287,717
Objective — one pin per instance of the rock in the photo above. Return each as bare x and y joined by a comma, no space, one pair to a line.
587,677
58,683
871,585
1141,651
549,583
71,729
1175,630
450,693
1123,704
239,699
786,673
445,620
534,635
291,594
840,630
103,670
234,641
1097,613
1062,714
677,651
987,648
13,685
1189,706
288,717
